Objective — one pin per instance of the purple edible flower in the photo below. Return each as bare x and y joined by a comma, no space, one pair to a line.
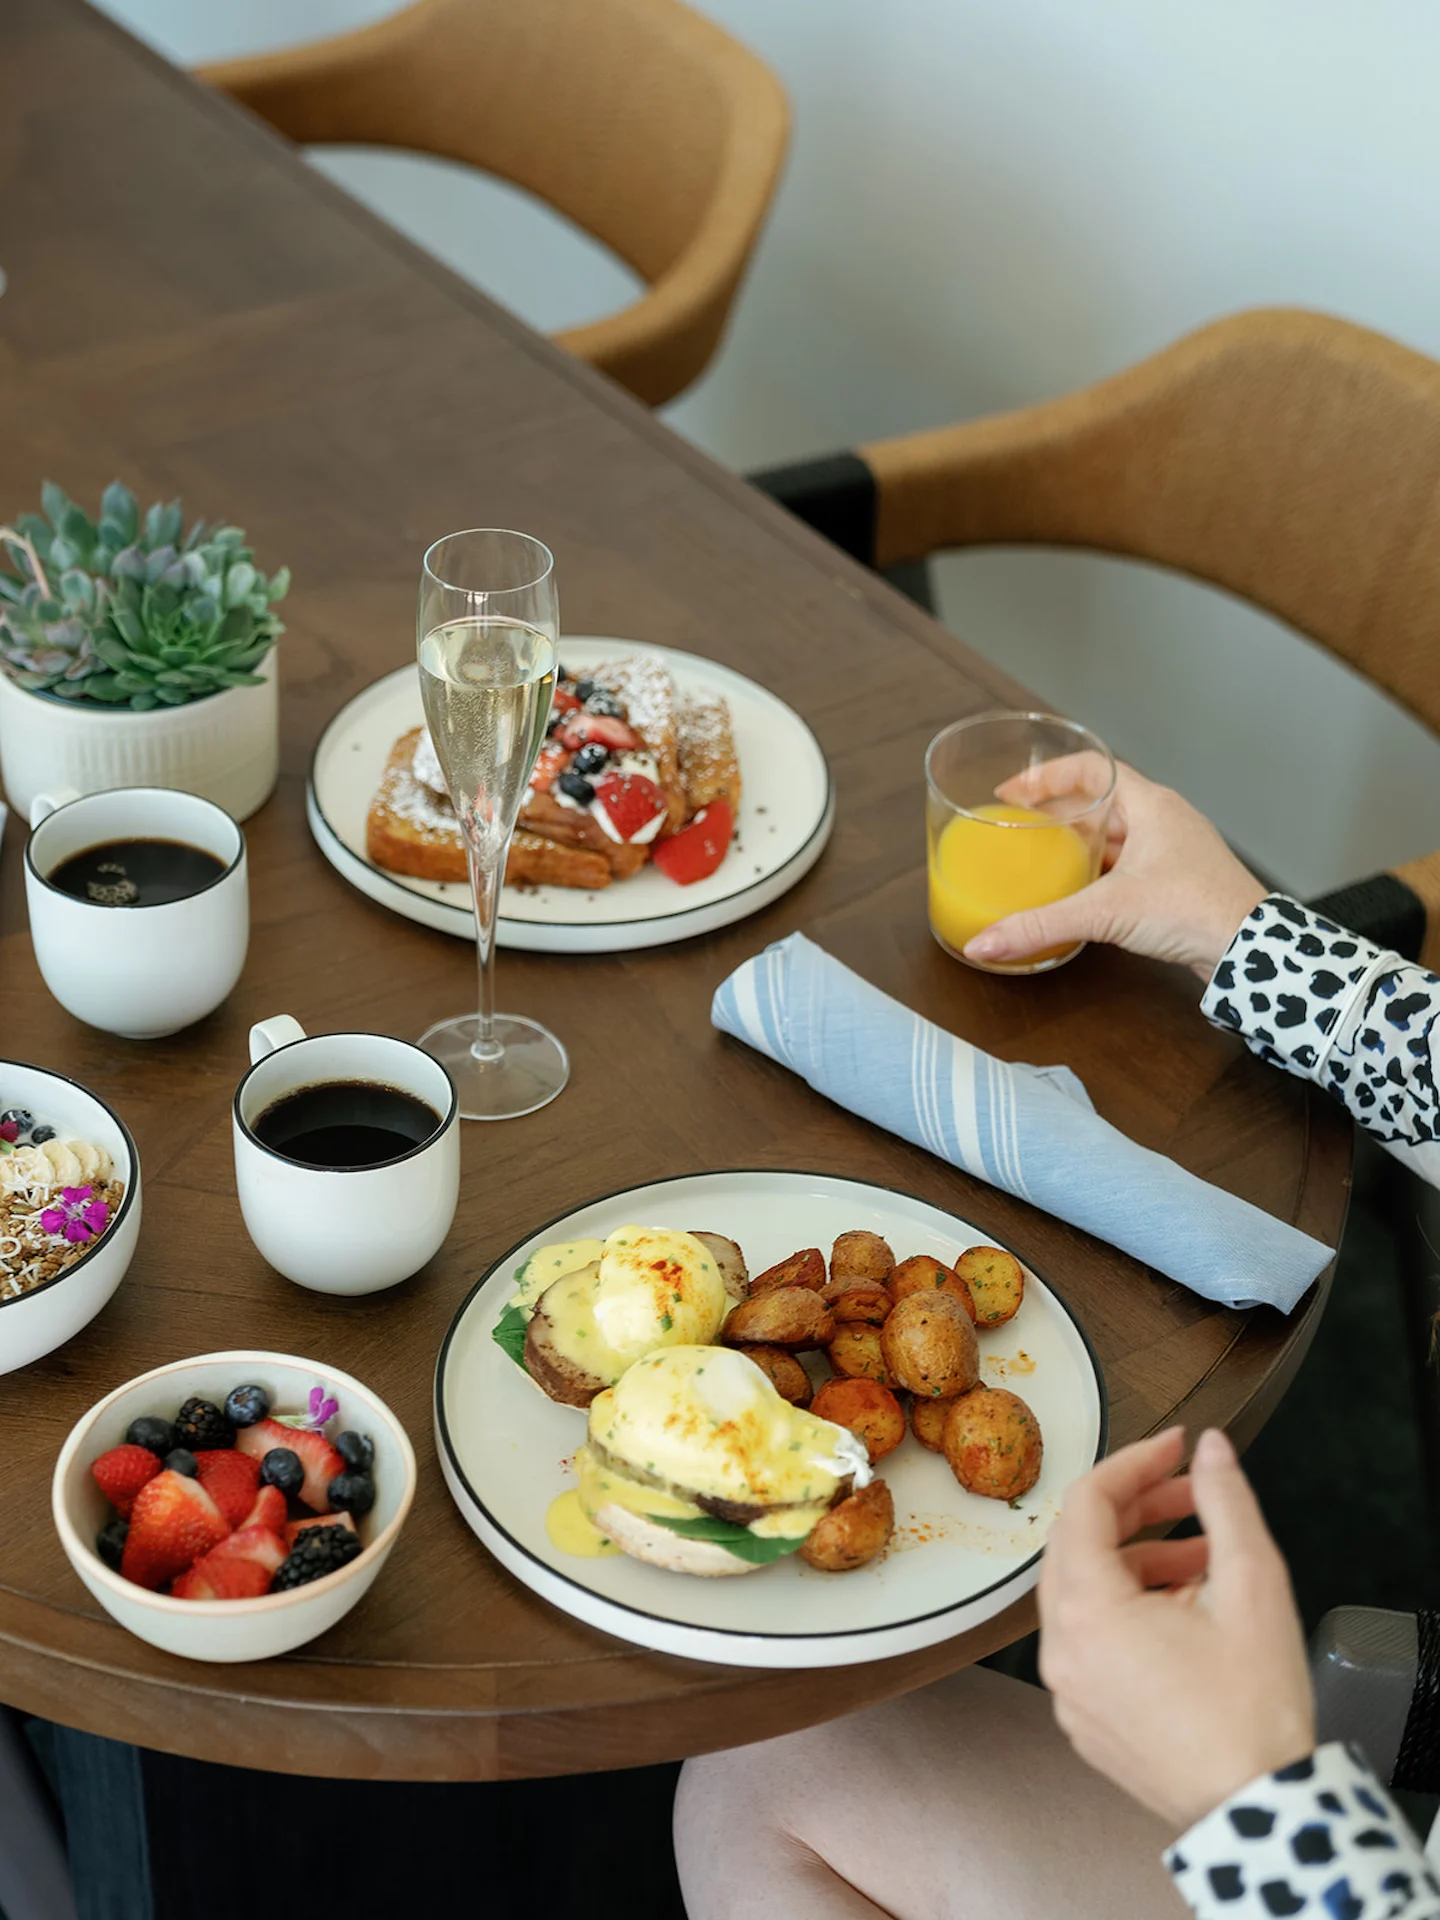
79,1216
322,1409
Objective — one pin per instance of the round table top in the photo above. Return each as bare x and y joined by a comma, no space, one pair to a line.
301,370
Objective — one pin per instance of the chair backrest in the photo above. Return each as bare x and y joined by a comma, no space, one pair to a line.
642,121
1287,456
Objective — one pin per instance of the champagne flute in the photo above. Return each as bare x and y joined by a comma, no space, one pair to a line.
487,632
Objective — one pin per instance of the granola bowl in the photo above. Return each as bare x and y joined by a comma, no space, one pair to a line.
69,1210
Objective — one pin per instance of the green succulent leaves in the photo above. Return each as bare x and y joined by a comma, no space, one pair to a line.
123,611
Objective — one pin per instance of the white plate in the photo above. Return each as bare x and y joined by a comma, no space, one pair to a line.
956,1560
786,813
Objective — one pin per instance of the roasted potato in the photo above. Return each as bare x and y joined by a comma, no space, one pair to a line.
859,1301
996,1281
803,1269
929,1345
993,1444
927,1422
792,1317
852,1532
860,1256
922,1274
784,1373
870,1411
856,1352
730,1260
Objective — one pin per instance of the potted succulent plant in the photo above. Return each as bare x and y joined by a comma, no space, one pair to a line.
132,657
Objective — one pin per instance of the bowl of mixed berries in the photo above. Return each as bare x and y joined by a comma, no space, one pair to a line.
233,1506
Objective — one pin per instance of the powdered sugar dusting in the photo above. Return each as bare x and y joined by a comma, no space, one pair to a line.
429,813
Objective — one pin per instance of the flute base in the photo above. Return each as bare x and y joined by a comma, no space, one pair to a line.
530,1068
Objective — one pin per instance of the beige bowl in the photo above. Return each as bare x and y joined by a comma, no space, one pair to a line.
229,1630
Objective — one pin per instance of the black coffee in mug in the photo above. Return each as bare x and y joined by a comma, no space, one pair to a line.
137,873
346,1123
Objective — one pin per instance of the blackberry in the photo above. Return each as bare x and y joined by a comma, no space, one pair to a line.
590,758
23,1120
351,1493
156,1436
246,1405
39,1135
604,704
281,1468
584,689
357,1450
110,1542
577,786
316,1552
201,1426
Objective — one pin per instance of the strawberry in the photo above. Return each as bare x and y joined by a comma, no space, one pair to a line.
319,1459
172,1523
564,701
552,761
238,1569
297,1527
122,1472
697,850
612,734
630,801
230,1478
269,1511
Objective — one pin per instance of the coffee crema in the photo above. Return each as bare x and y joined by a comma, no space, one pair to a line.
346,1123
137,873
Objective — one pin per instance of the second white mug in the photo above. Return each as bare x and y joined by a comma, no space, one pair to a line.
344,1228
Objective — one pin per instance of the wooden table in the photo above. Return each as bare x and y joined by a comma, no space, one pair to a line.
194,310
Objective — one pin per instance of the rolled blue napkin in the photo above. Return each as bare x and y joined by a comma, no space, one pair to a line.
1029,1130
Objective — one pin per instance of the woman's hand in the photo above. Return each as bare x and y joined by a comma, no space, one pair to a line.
1177,1666
1173,890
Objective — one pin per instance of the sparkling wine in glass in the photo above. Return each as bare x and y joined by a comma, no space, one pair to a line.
486,644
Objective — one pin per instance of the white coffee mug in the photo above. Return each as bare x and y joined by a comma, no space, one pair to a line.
139,971
345,1229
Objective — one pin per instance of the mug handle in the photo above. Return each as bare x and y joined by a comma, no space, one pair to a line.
278,1031
44,804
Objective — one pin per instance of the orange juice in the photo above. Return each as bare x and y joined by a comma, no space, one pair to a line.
979,873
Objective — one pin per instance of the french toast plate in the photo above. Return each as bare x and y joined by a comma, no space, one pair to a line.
786,811
956,1559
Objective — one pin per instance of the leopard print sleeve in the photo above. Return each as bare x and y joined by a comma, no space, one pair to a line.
1321,1840
1309,996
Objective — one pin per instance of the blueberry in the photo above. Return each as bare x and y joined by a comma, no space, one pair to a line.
351,1493
563,678
584,689
181,1460
606,704
281,1468
577,786
23,1120
357,1450
156,1436
552,725
39,1135
110,1542
246,1405
591,757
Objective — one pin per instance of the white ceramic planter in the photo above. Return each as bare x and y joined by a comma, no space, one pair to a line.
225,748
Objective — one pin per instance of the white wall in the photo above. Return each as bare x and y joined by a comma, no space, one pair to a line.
989,202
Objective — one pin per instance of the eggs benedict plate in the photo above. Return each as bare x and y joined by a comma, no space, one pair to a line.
686,1461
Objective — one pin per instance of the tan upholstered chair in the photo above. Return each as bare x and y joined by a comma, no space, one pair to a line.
643,122
1289,457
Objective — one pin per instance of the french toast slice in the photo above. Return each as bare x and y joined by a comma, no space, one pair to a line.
644,688
709,765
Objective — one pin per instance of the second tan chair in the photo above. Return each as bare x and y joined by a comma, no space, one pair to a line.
1288,456
641,121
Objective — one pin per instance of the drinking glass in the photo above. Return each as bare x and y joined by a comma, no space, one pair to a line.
995,848
487,633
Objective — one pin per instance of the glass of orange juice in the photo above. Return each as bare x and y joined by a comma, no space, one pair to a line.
1018,806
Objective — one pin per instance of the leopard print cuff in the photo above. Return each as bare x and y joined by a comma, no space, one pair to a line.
1321,1839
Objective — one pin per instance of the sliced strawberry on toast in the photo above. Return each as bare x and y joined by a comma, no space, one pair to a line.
550,762
697,850
230,1478
297,1527
319,1459
122,1472
631,802
173,1522
614,735
240,1568
270,1510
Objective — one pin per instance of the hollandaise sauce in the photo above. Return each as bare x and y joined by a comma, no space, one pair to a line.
549,1264
571,1529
